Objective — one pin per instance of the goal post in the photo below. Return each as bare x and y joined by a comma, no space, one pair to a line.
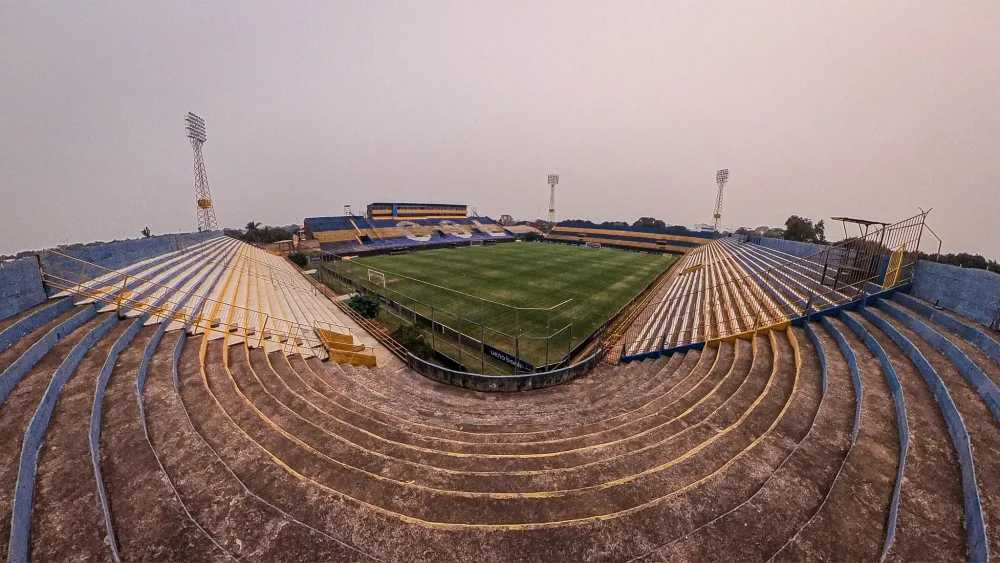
593,245
375,276
475,243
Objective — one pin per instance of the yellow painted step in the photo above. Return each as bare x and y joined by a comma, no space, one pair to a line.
353,358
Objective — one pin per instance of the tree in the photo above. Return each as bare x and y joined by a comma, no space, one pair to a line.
802,230
576,223
744,231
962,260
532,236
412,339
365,305
146,233
254,233
650,222
614,224
505,220
301,260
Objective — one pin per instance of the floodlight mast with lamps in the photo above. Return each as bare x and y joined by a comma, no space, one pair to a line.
553,180
203,197
721,177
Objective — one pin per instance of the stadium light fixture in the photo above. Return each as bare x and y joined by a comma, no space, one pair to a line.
195,128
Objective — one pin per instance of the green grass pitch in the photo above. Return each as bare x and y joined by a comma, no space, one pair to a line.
529,275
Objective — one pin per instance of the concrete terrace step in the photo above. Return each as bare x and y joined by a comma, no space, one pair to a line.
778,448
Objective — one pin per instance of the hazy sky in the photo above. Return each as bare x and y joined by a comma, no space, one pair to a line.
817,108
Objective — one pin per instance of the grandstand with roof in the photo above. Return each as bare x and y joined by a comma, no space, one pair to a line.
201,399
389,227
675,240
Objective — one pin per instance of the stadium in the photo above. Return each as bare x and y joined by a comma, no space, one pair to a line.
605,394
446,373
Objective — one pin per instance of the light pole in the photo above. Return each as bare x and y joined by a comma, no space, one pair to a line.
721,177
206,212
553,180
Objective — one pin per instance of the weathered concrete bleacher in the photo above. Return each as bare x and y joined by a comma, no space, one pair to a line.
131,442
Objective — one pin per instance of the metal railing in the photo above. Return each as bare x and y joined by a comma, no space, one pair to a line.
377,331
475,332
199,313
747,292
616,327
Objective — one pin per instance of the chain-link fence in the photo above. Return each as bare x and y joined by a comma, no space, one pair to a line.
477,334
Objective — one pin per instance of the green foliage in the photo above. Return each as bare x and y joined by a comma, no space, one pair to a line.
412,339
532,236
505,220
963,260
578,223
802,230
255,233
365,305
300,260
650,222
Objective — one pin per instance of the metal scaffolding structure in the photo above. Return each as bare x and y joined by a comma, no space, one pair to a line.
203,197
721,177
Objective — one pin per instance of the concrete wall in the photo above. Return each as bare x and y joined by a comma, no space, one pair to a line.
20,286
800,249
502,383
119,254
967,291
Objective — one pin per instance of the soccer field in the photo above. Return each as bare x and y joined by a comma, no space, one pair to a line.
512,288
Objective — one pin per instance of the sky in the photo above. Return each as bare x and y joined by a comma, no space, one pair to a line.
865,109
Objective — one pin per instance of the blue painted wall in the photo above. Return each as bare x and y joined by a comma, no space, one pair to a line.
20,286
119,254
795,248
967,291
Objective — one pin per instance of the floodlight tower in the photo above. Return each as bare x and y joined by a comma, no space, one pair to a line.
206,213
553,180
720,178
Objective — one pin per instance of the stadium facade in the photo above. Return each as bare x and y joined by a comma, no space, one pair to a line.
389,227
154,409
677,240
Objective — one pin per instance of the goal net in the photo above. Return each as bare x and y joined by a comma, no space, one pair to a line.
475,243
375,276
593,245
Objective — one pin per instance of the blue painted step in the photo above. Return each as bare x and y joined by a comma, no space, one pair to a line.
16,371
24,491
